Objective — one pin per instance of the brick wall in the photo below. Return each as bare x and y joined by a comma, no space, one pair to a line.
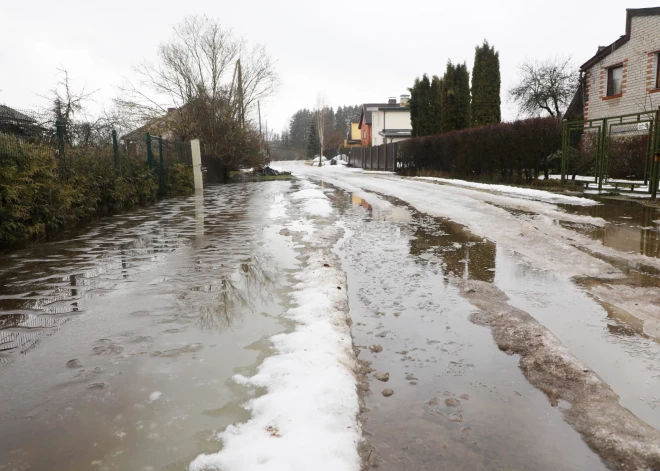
639,57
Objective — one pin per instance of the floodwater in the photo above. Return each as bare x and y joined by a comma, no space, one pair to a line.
631,227
117,346
459,403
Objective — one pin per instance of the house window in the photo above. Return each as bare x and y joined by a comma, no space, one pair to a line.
657,71
614,80
364,134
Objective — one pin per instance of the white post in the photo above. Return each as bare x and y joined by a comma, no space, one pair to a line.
197,164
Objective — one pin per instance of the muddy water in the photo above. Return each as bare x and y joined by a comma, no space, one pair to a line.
117,346
458,403
631,227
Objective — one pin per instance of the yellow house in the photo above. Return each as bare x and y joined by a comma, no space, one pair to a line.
353,139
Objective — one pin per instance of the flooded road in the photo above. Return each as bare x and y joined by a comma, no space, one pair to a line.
117,346
459,402
212,332
440,390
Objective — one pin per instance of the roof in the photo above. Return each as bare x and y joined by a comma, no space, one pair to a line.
394,108
396,132
159,125
607,50
7,113
366,113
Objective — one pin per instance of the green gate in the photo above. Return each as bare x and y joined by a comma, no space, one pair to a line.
619,152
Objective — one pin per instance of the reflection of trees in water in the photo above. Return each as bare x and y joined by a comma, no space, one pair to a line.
11,320
465,255
239,292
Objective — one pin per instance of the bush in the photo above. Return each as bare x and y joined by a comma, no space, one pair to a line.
35,202
521,148
627,156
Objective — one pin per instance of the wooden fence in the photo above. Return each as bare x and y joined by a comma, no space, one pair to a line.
382,157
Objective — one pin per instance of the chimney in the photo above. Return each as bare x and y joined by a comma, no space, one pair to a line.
392,100
404,100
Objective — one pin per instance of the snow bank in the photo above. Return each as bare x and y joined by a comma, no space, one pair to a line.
540,195
307,420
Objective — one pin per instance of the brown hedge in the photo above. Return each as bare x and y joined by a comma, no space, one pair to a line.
521,148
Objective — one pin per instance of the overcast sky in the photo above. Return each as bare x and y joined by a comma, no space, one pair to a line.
353,51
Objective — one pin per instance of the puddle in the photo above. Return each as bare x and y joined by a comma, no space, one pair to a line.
126,336
458,402
630,228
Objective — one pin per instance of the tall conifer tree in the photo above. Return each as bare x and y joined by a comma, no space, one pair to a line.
313,143
455,106
435,106
425,106
486,84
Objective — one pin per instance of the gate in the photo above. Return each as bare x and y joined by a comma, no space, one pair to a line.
620,151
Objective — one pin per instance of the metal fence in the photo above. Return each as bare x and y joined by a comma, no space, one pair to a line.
382,157
79,149
620,151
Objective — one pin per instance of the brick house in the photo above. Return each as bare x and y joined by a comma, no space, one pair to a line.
401,127
624,77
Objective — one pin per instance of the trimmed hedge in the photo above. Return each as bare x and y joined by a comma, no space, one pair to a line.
521,148
35,202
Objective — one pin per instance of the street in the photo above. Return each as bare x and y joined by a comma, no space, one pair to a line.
261,326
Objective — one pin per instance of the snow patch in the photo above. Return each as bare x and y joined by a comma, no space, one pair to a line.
540,195
154,396
308,417
314,202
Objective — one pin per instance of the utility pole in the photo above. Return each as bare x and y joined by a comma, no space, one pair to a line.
259,108
266,143
239,96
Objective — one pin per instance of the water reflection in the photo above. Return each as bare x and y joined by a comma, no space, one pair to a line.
463,255
199,213
631,227
460,253
238,293
395,213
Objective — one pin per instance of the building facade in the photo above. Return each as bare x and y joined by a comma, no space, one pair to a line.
624,77
392,125
354,138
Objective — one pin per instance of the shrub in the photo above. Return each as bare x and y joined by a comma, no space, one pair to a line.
521,148
35,202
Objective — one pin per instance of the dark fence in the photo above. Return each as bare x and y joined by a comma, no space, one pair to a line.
79,172
382,157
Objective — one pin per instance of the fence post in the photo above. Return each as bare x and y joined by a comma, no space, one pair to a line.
197,164
115,150
564,151
161,176
655,165
150,155
602,156
60,146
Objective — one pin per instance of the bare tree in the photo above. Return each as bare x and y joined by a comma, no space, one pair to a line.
320,123
211,80
67,106
546,86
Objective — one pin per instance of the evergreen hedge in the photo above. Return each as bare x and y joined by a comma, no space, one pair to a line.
35,202
505,150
